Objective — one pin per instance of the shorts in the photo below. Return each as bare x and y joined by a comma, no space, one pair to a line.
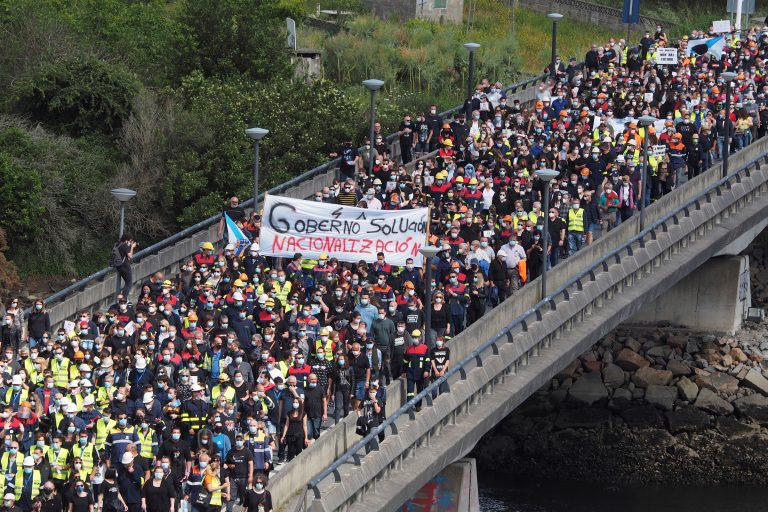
360,390
593,228
271,429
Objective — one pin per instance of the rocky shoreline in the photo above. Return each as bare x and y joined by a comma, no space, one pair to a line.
646,406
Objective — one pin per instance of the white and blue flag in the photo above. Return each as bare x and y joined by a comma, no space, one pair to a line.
236,237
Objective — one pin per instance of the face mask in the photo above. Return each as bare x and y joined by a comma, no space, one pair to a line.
259,485
159,475
364,302
122,422
341,362
296,405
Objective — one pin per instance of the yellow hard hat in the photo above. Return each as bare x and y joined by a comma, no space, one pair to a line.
323,256
208,246
238,283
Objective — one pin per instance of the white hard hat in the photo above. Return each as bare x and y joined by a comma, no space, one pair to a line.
237,296
9,496
148,397
141,363
70,408
84,368
74,384
28,461
88,400
229,247
197,387
255,246
127,458
263,298
86,383
17,380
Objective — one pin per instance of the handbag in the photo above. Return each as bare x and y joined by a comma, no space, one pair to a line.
203,498
362,426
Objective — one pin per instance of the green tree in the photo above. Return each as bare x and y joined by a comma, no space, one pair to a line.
233,37
78,95
20,210
306,122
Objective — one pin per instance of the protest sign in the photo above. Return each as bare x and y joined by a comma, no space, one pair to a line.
721,26
659,150
666,56
347,233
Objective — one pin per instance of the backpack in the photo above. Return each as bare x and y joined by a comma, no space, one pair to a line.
115,258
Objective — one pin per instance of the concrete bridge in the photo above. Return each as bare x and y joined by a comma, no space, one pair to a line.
522,344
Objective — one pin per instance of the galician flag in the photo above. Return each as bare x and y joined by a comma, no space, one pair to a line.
236,237
713,45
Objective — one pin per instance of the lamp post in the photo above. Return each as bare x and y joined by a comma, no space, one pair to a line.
372,85
646,122
472,48
123,195
429,252
728,76
256,134
546,175
555,17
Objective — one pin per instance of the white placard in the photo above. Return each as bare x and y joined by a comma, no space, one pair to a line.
290,226
69,327
130,328
721,26
659,150
666,56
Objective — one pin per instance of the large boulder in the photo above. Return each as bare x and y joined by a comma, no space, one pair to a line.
687,419
710,402
648,376
588,389
662,397
753,407
687,389
678,367
719,382
755,380
629,360
613,376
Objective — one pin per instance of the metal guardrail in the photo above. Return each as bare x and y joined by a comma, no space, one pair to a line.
522,321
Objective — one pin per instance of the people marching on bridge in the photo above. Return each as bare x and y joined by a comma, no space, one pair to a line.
192,393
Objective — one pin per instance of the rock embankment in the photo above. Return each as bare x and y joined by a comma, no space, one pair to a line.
655,405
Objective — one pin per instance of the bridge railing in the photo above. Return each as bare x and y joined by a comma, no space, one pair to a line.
473,347
97,290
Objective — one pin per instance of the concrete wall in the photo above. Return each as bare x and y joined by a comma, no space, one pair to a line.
713,298
587,12
453,12
454,489
425,9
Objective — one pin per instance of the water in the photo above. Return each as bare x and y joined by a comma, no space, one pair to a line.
507,495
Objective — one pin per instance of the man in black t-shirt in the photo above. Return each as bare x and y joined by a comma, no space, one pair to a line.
440,355
239,461
316,407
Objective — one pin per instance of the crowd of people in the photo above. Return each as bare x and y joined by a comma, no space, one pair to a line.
190,394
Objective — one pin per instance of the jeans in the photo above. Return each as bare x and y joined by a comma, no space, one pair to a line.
313,427
575,241
236,492
126,275
341,399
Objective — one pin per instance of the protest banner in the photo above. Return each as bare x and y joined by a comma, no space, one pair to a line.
347,233
666,56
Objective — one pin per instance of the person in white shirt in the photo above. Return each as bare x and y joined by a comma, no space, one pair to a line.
371,201
514,254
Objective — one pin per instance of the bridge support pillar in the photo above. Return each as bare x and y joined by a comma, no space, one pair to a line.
715,297
455,488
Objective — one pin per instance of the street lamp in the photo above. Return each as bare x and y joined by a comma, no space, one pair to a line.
555,17
256,134
123,195
728,76
429,252
472,48
546,175
372,85
646,122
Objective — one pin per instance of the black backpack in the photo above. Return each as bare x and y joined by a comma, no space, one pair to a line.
115,258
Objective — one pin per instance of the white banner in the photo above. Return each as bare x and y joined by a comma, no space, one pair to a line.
659,150
666,56
721,26
347,233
